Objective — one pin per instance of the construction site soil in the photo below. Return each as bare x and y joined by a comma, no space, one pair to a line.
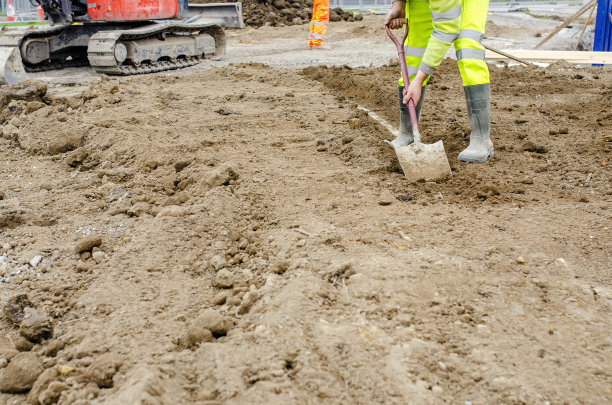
224,236
283,12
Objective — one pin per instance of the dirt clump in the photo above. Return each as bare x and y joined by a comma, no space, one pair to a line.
20,373
36,325
14,309
278,13
102,370
87,243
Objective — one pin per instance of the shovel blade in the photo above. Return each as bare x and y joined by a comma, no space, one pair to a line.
423,162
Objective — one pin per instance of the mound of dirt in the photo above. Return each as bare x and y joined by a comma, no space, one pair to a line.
242,234
257,13
539,137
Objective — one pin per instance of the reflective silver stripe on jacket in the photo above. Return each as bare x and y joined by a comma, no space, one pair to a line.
414,51
469,53
412,70
470,34
322,24
447,15
443,36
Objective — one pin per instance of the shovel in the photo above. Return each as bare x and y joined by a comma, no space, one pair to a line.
418,160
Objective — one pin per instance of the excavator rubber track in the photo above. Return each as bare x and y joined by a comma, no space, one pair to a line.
121,47
14,68
107,48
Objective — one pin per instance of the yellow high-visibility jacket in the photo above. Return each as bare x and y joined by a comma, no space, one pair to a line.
446,16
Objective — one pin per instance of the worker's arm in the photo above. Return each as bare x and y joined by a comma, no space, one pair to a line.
398,10
446,16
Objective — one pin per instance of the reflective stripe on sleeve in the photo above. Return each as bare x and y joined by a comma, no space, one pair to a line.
469,53
447,15
470,34
414,51
443,36
425,68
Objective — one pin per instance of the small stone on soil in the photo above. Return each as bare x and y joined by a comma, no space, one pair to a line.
36,325
98,256
87,243
14,308
341,271
214,322
527,180
217,262
355,123
172,211
102,370
180,165
248,301
234,235
220,298
53,348
224,279
21,373
35,261
196,334
52,394
531,147
279,267
220,176
23,345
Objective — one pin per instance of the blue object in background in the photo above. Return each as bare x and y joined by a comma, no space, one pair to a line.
603,27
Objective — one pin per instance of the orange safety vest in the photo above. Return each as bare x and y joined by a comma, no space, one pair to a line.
318,25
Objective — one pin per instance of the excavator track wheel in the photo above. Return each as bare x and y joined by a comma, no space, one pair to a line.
120,53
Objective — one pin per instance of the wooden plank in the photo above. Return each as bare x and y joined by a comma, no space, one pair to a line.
553,56
565,23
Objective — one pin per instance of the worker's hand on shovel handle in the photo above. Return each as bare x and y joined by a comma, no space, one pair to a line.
397,23
414,90
395,18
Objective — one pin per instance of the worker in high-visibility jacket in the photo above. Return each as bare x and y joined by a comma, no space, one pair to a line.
433,26
318,24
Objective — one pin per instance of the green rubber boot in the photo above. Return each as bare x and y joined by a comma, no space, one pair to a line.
478,100
404,135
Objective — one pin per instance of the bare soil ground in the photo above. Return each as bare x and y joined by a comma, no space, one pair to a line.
254,248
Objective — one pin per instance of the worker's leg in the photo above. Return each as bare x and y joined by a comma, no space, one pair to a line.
420,28
319,22
404,135
475,75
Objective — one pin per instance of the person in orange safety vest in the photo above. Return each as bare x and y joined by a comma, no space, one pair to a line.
318,24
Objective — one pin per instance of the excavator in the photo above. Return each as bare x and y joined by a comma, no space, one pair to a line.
118,37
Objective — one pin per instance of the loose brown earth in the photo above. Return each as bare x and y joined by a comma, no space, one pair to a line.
243,190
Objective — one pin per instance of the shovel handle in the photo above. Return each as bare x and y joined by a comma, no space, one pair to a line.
402,60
